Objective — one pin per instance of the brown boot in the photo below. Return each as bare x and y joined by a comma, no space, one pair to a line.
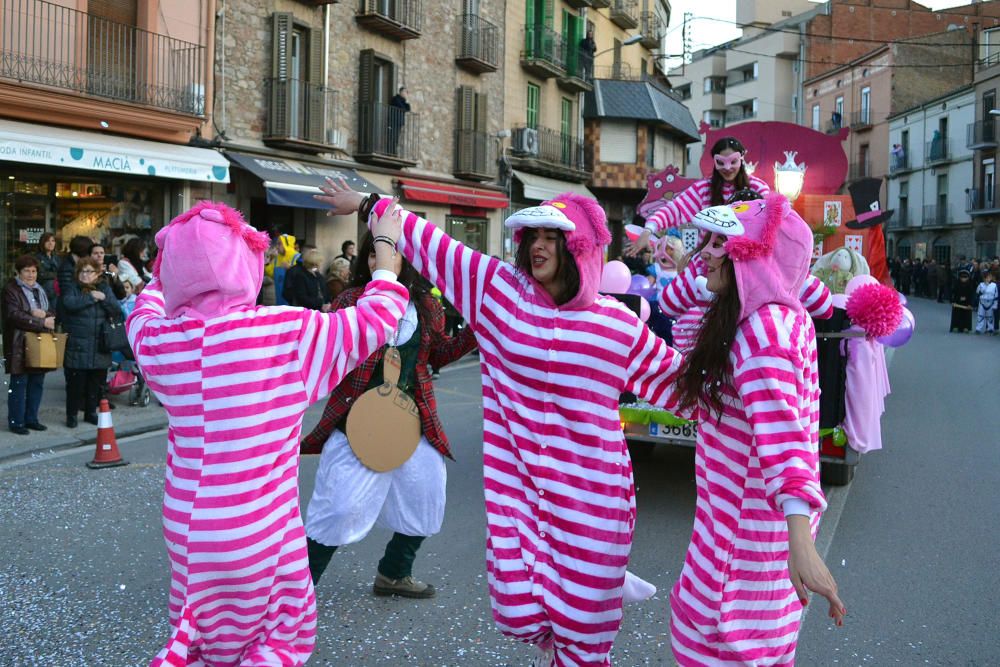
407,587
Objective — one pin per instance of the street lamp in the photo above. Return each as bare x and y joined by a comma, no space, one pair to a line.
789,177
634,39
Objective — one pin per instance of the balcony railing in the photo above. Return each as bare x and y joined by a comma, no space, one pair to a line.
397,19
618,72
651,29
544,52
860,169
46,44
300,112
478,44
475,155
938,150
600,4
861,120
387,134
734,114
902,216
579,4
899,162
981,134
935,214
550,149
579,76
625,14
979,201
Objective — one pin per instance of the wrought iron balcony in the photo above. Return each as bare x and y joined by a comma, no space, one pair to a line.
901,218
625,14
544,53
396,19
478,44
550,153
861,120
651,29
981,202
938,150
935,214
899,162
600,4
617,71
475,155
981,134
387,134
859,169
300,114
50,45
579,76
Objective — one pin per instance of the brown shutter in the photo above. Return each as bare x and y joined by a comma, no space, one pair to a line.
366,104
316,89
482,135
279,120
465,125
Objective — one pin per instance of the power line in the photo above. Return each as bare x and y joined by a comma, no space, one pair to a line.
854,63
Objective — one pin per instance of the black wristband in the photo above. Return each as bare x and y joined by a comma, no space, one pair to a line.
365,210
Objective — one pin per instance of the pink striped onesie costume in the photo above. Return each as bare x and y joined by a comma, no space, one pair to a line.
734,603
560,502
683,207
235,380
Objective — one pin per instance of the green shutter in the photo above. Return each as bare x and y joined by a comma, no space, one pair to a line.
315,89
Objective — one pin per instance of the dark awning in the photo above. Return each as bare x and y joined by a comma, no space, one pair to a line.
294,182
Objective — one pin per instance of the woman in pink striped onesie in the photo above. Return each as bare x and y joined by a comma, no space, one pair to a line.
555,357
235,380
751,378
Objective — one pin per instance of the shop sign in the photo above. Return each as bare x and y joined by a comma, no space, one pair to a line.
30,235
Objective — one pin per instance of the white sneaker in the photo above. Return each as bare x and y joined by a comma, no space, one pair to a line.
636,589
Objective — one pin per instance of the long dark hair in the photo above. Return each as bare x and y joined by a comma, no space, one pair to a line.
567,272
742,181
408,276
133,253
706,368
43,240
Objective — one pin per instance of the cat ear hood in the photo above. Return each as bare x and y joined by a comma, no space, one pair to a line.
585,226
210,262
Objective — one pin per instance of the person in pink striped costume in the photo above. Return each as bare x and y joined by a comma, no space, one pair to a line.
555,357
235,380
752,380
686,299
728,177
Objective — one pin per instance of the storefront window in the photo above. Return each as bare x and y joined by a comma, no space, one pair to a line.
468,231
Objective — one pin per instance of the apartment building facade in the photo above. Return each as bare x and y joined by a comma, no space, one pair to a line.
102,102
931,174
982,138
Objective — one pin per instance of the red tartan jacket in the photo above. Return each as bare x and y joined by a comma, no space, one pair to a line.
436,349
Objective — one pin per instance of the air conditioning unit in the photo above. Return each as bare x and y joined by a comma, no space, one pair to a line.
525,141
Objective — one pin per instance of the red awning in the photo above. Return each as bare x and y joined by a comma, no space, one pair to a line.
442,193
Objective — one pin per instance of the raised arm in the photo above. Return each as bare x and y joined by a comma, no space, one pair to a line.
682,294
680,209
816,298
653,369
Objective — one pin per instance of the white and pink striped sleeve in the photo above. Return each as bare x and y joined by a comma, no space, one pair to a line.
767,383
653,369
331,345
681,295
759,186
461,273
816,298
148,305
680,209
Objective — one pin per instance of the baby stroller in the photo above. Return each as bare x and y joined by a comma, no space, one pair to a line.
124,376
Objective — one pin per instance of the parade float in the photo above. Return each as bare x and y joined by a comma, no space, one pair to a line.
809,168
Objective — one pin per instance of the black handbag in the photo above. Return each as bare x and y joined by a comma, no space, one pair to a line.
113,337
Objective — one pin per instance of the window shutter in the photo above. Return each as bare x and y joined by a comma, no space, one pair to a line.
465,122
279,120
316,89
367,112
482,135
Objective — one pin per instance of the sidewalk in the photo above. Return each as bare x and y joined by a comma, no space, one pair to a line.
128,420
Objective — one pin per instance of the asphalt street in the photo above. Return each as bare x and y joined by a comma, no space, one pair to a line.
913,543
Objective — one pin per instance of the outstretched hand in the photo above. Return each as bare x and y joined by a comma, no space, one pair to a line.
390,223
341,199
635,247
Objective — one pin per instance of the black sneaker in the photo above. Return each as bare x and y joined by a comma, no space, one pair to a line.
90,419
20,430
36,427
71,422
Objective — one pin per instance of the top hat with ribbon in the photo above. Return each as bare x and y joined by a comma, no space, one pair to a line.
864,196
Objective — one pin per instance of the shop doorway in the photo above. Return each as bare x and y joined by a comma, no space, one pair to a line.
468,231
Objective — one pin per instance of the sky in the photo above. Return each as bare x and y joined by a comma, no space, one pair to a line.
706,32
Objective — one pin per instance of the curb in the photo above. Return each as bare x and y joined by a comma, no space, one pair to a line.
124,432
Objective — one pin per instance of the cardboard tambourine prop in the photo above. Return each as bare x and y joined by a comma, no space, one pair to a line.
383,427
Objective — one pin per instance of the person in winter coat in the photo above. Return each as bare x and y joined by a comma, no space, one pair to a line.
48,265
26,309
555,358
84,307
752,380
79,247
235,380
132,264
338,277
728,177
348,497
305,286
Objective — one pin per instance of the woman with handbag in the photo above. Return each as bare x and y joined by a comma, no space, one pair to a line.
85,309
26,308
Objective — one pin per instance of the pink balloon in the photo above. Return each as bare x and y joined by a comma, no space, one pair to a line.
616,278
857,281
903,332
902,298
643,310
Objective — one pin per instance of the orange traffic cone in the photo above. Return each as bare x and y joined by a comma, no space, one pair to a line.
107,454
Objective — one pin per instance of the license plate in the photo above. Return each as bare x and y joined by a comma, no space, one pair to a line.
675,432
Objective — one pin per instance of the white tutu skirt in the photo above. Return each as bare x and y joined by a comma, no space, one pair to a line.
349,497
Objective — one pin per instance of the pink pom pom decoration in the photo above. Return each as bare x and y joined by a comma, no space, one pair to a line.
875,308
